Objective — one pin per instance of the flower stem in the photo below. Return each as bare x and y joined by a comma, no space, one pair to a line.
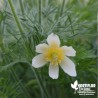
40,83
15,16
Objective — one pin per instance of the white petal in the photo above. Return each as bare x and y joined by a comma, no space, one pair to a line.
53,71
69,51
41,48
38,61
68,66
53,38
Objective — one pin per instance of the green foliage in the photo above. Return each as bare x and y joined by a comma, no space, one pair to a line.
8,87
26,23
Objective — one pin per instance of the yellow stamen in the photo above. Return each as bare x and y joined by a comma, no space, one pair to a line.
54,54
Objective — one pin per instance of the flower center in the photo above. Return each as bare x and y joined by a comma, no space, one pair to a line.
54,55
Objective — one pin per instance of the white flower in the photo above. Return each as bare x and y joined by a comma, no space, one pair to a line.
56,56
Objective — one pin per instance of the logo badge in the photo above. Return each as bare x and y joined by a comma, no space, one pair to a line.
83,89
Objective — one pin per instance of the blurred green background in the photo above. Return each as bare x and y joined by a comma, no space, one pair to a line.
26,23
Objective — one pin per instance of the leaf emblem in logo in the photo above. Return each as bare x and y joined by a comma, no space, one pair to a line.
75,85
